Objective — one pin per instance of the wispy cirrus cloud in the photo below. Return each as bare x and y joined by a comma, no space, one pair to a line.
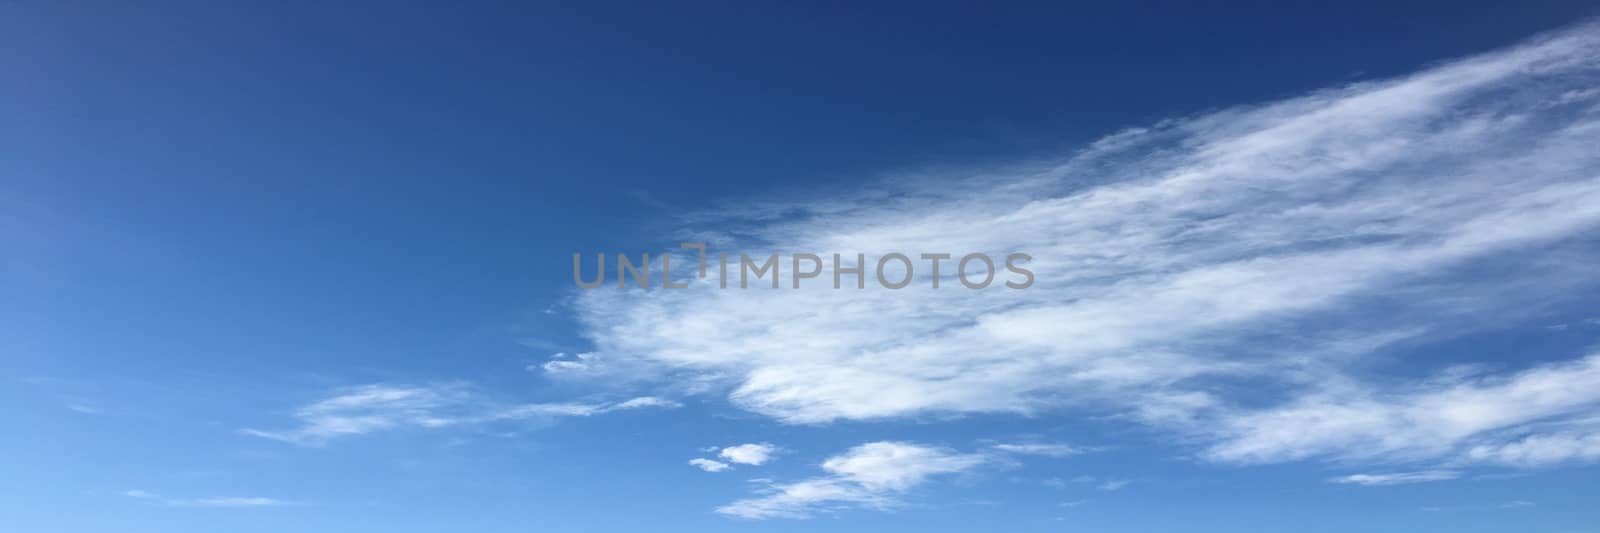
1430,420
1283,244
380,407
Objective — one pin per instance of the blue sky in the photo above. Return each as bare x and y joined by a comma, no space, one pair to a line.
299,267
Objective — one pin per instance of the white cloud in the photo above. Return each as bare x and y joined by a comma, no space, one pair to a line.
370,408
897,465
645,402
749,454
802,499
254,501
1045,449
871,475
708,465
1281,243
583,362
754,454
1397,478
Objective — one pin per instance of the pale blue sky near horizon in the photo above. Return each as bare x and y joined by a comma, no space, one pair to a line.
304,266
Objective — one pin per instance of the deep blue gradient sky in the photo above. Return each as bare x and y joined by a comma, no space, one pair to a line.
213,215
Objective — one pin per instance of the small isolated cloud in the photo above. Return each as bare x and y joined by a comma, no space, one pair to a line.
371,408
749,454
871,475
561,364
253,501
83,408
708,465
1396,478
1044,449
1114,484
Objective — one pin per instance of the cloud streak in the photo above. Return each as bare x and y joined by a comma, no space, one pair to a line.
253,501
382,407
1040,448
1396,478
